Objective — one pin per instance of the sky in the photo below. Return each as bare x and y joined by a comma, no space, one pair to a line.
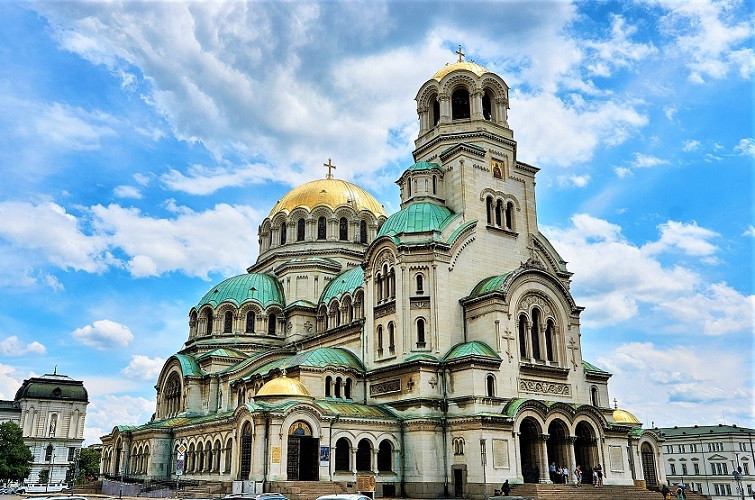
144,142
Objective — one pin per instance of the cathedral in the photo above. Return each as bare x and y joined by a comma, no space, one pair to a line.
432,352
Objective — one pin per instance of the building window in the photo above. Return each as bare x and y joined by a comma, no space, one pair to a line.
490,386
594,396
460,104
435,184
535,337
684,469
673,469
380,340
321,228
510,216
498,208
549,337
384,458
347,389
338,387
522,336
228,322
363,231
364,456
746,468
48,453
420,287
71,454
391,338
343,229
420,333
697,468
328,382
343,452
250,322
271,324
458,446
300,230
283,233
210,320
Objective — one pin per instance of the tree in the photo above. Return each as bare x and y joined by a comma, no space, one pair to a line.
89,463
15,457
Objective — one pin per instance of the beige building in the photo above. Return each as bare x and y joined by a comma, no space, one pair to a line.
51,411
437,350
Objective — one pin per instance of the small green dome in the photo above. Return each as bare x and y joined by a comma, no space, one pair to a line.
424,165
418,217
261,288
346,282
474,348
52,386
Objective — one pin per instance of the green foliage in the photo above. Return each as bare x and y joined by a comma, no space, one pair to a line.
44,476
89,463
15,457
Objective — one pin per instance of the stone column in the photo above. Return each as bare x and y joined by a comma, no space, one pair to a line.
527,337
354,461
570,440
541,337
375,461
542,459
444,100
475,103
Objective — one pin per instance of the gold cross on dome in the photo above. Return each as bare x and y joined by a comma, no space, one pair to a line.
330,166
461,54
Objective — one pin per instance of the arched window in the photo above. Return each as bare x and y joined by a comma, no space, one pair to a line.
270,238
228,322
420,333
384,458
343,229
459,446
420,285
347,389
250,318
523,336
536,334
210,319
460,104
489,208
487,108
328,383
498,209
490,386
435,117
380,340
594,399
391,338
338,387
379,286
391,284
409,186
343,455
549,333
172,395
510,216
321,228
300,230
435,184
363,231
283,233
227,455
364,456
271,324
48,453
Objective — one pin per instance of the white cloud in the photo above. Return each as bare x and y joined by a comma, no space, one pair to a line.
745,147
127,192
143,367
103,413
12,346
750,231
669,111
614,278
203,180
618,51
74,128
642,160
573,180
691,239
677,377
53,282
710,158
10,381
104,334
622,172
691,145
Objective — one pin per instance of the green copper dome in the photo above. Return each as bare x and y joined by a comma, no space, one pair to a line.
261,288
52,386
346,282
419,217
424,165
474,348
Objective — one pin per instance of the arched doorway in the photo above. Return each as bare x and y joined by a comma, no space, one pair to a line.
303,453
648,466
586,450
558,446
529,448
246,451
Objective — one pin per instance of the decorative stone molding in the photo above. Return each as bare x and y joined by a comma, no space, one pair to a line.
532,299
387,387
544,387
385,310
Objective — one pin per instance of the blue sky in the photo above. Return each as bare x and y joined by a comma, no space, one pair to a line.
144,142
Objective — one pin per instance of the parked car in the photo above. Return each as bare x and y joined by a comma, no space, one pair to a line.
255,496
344,496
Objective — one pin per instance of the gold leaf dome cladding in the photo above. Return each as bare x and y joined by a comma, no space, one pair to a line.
332,193
624,417
469,66
283,386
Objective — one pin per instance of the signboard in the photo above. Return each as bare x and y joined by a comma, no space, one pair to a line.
179,466
179,473
324,456
276,455
180,457
365,483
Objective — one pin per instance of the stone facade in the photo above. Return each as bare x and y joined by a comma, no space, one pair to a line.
437,350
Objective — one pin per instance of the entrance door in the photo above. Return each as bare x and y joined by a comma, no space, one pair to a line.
246,452
458,484
529,434
303,453
648,466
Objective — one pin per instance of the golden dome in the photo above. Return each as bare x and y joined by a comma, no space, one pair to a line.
332,193
283,386
624,417
469,66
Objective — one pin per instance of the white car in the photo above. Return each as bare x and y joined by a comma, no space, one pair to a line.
344,496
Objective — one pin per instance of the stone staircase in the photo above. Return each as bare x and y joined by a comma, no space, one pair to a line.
308,490
205,489
589,492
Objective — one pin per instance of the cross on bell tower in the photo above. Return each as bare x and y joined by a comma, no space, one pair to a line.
461,54
330,167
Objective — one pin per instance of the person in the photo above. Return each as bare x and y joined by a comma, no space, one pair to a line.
552,470
680,491
505,488
665,492
578,475
559,475
565,475
600,475
595,477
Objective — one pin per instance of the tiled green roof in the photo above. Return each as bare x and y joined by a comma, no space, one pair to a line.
301,303
189,365
704,430
513,406
320,358
261,288
354,409
459,229
346,282
488,285
417,218
223,352
588,367
424,165
474,348
53,386
178,421
244,363
421,356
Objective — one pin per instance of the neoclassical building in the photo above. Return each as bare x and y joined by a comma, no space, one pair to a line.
436,350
